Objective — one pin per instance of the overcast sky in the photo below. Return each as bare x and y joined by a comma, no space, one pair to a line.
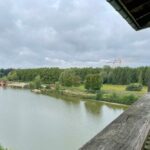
68,33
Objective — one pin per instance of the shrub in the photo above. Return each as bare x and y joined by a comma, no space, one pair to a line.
134,87
69,78
12,76
114,96
93,82
57,86
129,99
99,95
122,99
36,83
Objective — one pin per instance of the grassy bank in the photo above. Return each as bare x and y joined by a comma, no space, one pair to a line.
109,88
108,93
17,84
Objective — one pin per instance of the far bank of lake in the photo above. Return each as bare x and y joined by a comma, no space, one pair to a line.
110,93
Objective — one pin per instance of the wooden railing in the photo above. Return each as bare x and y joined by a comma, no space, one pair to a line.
128,132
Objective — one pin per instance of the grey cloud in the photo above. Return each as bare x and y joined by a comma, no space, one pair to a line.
67,33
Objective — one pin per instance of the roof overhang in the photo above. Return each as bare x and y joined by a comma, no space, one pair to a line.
135,12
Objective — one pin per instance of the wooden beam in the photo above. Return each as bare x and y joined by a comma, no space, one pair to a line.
135,12
127,132
134,3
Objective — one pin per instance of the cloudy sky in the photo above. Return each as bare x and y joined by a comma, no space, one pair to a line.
68,33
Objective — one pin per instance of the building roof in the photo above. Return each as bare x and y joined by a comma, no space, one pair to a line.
135,12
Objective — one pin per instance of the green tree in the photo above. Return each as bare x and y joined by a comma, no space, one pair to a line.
134,87
57,86
36,83
140,78
69,78
12,76
93,82
119,75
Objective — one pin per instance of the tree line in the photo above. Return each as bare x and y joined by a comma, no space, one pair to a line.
4,72
119,75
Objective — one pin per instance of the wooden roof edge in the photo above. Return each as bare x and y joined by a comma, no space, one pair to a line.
124,14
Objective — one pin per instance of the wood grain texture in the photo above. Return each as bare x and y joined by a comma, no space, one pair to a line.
127,132
147,143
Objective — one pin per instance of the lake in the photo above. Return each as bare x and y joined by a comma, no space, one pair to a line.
30,121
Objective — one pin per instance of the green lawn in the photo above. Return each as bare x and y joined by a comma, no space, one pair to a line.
122,89
111,93
108,88
113,88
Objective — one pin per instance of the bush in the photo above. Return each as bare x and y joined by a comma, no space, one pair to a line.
114,97
12,76
69,78
99,95
134,87
118,98
129,99
57,86
93,82
36,83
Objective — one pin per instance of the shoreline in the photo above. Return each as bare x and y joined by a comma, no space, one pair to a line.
58,95
17,85
64,94
37,91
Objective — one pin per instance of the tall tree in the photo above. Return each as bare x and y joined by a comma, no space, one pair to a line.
69,78
36,83
12,76
93,82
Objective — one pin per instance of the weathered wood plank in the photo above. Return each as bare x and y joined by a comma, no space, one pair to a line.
127,132
147,143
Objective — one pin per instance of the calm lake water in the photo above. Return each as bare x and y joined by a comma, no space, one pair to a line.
36,122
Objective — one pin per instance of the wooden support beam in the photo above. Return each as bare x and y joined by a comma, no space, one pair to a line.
128,132
135,12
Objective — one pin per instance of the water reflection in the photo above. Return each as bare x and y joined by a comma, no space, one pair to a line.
37,122
93,107
69,100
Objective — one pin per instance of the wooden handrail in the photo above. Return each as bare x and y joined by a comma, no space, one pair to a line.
127,132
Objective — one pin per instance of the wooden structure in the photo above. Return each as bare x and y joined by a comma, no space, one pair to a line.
3,83
147,143
131,130
135,12
128,132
